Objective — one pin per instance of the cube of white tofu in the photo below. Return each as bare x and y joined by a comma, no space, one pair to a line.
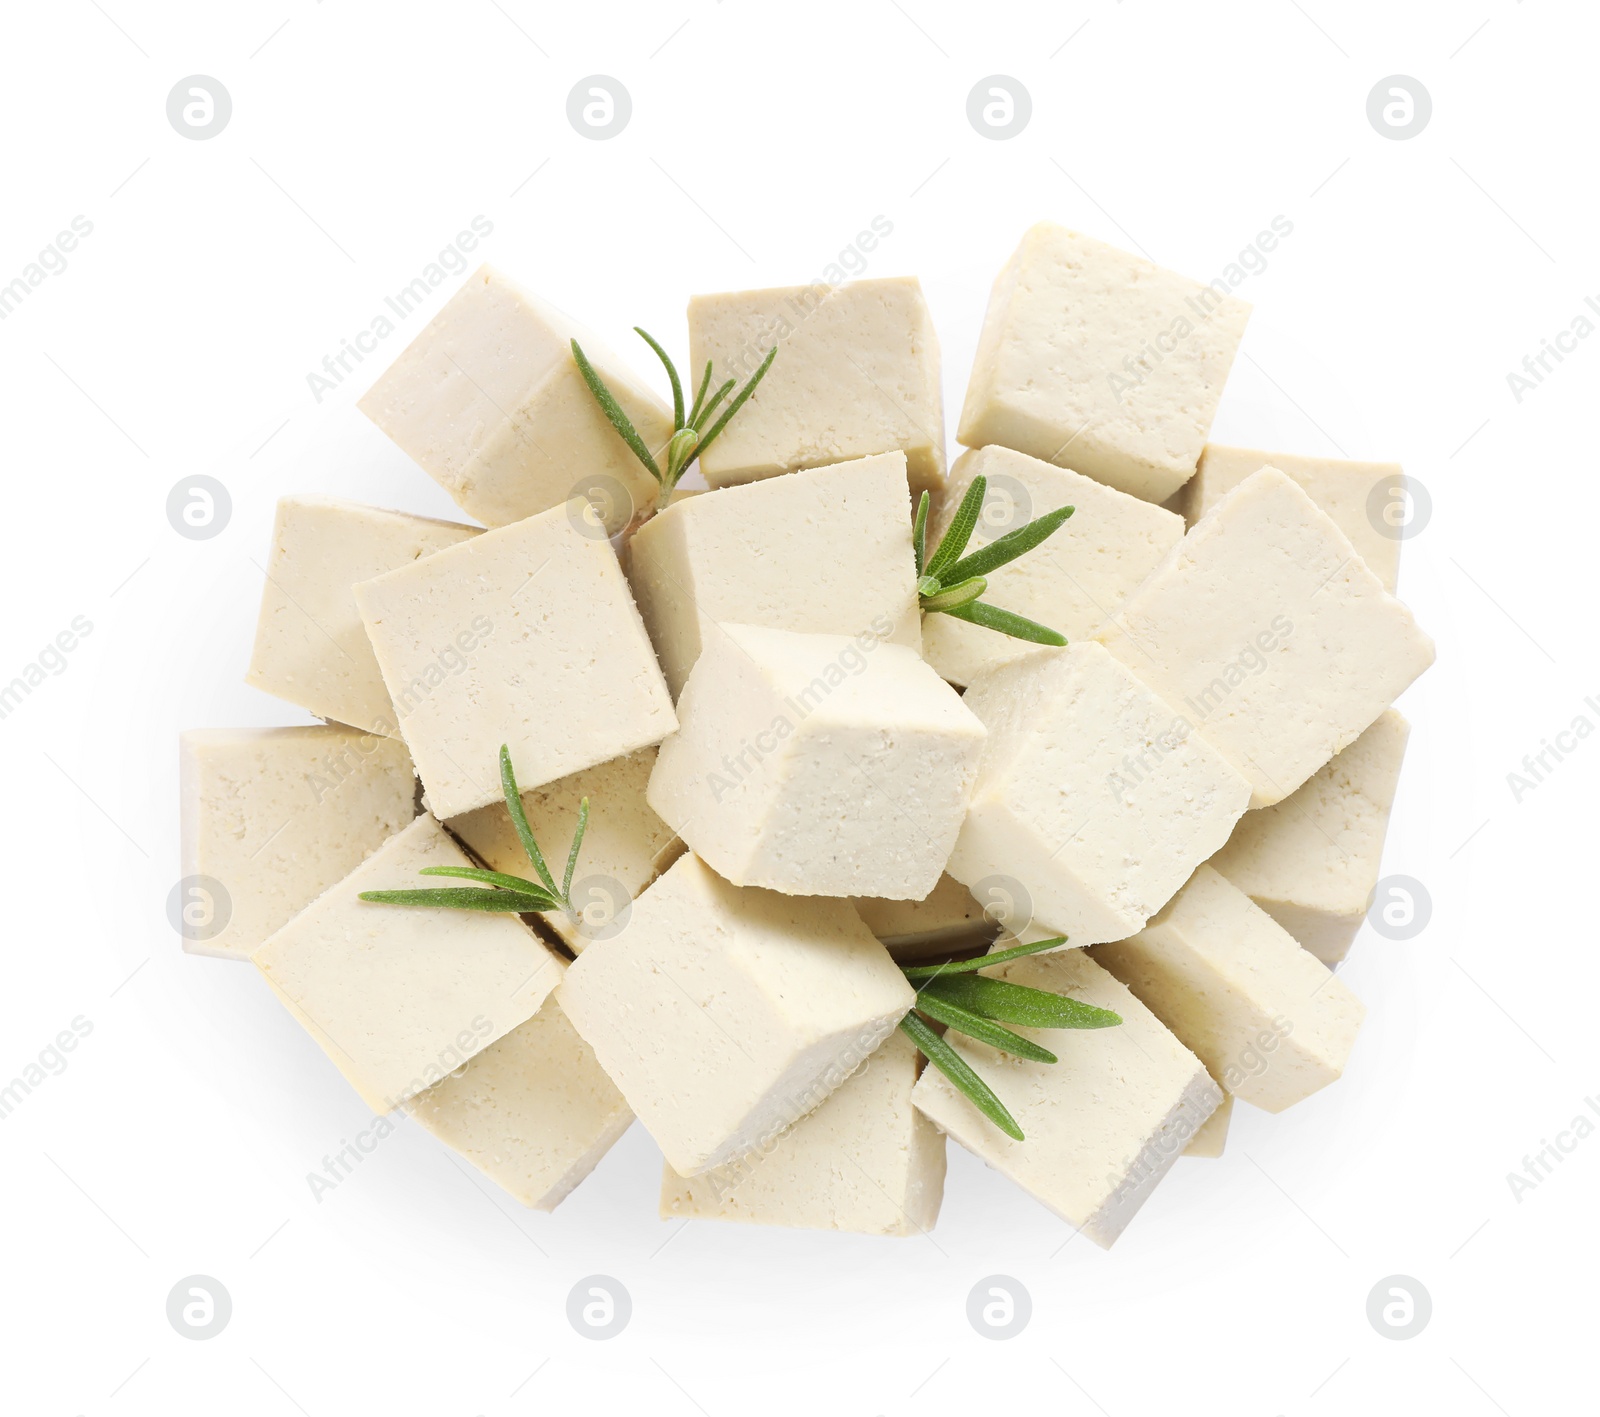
625,847
1344,489
1311,861
534,1111
1210,1138
1268,634
1101,361
526,635
277,815
817,764
826,551
400,996
724,1014
1103,1123
1092,795
488,400
946,920
1269,1020
865,1160
857,373
1072,582
311,647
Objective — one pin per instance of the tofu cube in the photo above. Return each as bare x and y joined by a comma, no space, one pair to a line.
945,921
1211,1136
625,847
487,399
818,764
1101,361
400,996
526,635
865,1160
725,1014
1312,860
1345,490
277,815
826,551
311,647
1072,582
857,373
1268,1020
1092,795
1103,1123
534,1111
1268,634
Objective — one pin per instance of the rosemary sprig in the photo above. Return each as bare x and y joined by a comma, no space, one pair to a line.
690,435
951,583
506,894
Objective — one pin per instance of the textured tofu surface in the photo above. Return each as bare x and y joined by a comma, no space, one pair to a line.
1311,861
824,551
723,1014
1269,635
946,919
857,373
311,647
277,815
526,635
1211,1140
1092,795
865,1160
1103,1123
818,764
400,996
1072,582
1267,1019
1098,360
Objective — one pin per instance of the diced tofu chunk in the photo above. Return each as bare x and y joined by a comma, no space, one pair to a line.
826,551
489,401
1103,1123
724,1014
1101,361
1092,795
311,647
1311,861
946,920
533,1111
857,373
624,848
1342,488
1268,1020
818,765
1071,582
400,996
526,635
277,815
865,1160
1268,634
1211,1136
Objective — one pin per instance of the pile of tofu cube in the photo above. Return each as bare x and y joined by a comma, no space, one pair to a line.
798,780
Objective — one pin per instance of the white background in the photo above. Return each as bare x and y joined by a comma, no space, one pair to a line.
178,340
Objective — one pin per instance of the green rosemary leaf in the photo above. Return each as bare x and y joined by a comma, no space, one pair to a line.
1007,548
466,898
950,1063
699,399
929,585
1005,1002
919,533
1007,622
967,966
711,405
954,541
963,1020
491,878
613,411
963,593
577,843
738,401
672,376
519,819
